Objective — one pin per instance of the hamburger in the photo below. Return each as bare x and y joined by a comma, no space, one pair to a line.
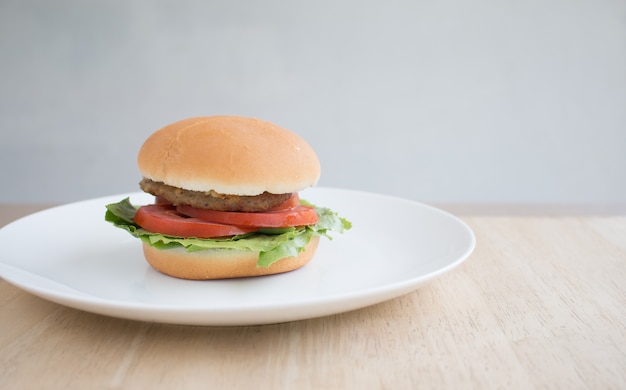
226,202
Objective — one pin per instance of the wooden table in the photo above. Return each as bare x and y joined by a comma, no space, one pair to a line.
541,303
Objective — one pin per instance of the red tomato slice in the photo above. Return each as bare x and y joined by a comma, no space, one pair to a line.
165,219
290,203
294,216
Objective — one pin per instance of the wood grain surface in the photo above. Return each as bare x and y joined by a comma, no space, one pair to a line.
541,303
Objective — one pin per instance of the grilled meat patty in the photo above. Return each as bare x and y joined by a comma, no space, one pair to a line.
213,200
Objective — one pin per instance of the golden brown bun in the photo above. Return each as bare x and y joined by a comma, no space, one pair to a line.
229,155
221,264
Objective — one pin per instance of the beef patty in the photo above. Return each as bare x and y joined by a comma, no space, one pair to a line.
213,200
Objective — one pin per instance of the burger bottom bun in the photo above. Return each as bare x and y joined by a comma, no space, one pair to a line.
221,263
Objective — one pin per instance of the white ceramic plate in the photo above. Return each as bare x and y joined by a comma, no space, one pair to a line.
70,255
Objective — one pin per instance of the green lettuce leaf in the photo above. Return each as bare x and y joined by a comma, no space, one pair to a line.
272,244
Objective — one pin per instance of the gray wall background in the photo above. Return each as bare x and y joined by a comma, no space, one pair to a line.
436,101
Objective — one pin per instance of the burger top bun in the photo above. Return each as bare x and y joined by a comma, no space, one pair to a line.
229,155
